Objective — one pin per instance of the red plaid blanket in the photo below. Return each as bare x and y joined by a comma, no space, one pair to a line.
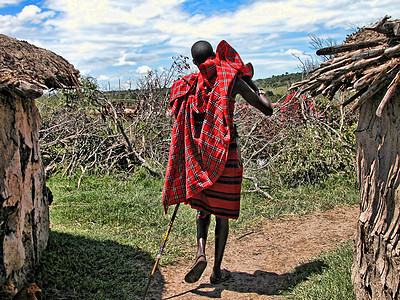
202,129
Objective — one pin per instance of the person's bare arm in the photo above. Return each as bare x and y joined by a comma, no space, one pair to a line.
258,101
251,83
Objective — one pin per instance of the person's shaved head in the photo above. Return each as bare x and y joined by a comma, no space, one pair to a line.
201,50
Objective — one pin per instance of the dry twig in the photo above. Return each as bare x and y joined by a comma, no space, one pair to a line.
365,64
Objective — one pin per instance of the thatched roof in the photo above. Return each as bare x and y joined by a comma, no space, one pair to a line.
367,62
29,70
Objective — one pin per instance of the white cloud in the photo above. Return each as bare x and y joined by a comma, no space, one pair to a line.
294,52
300,56
9,2
131,58
143,70
78,14
122,61
272,17
103,77
30,14
118,34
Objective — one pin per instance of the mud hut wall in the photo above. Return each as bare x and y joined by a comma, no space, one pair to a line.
24,211
376,268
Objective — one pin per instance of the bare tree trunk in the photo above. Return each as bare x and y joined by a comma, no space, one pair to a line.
24,198
376,267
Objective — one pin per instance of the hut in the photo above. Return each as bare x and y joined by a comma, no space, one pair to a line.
367,67
25,72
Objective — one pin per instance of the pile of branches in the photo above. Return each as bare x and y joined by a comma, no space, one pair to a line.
72,140
368,62
90,131
101,138
86,130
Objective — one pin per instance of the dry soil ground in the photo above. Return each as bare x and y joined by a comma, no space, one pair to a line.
263,261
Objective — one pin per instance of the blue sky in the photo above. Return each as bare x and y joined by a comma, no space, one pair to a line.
120,40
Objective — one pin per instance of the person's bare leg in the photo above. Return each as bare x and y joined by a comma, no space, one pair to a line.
221,236
202,231
194,274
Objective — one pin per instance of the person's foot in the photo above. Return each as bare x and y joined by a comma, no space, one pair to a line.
223,276
197,269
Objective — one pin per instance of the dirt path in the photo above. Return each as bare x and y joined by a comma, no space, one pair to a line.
264,261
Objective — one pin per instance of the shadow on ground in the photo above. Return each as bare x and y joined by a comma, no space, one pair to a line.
77,267
261,282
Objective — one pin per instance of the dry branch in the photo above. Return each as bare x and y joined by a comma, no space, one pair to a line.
349,47
366,63
257,189
388,94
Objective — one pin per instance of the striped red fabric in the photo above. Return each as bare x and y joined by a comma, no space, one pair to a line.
202,130
222,199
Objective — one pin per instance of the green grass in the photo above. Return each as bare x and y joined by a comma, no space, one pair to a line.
337,190
331,282
108,233
105,236
79,267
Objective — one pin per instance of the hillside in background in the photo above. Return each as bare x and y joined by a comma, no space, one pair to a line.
276,87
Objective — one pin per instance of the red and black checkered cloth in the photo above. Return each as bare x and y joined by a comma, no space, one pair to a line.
202,105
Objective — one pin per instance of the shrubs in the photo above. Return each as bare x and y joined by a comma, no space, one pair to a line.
299,144
311,152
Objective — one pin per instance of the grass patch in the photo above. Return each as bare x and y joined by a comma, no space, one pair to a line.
333,282
78,267
129,211
105,236
337,190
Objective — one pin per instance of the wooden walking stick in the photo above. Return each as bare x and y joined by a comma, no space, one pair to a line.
161,250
